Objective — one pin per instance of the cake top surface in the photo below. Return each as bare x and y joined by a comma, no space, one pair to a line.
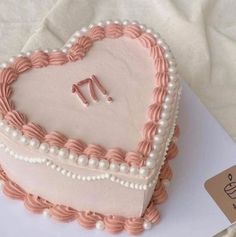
126,71
61,97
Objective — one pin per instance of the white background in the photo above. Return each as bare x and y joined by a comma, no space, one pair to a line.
205,150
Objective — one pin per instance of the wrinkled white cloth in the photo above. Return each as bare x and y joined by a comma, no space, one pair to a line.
201,34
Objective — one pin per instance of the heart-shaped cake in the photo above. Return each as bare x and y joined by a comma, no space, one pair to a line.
87,130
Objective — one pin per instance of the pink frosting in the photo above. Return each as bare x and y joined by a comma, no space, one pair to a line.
113,31
132,31
161,79
147,40
5,90
161,64
56,139
152,215
134,158
16,119
88,219
22,64
158,94
8,76
177,131
115,155
156,52
144,147
6,105
77,52
85,42
172,152
160,195
39,59
34,130
166,172
57,58
149,130
114,224
96,33
63,213
12,190
134,226
36,204
154,112
76,146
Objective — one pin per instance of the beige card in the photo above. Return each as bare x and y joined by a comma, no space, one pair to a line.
222,189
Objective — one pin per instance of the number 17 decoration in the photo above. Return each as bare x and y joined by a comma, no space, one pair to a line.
92,83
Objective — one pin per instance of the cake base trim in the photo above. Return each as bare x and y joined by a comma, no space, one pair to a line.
88,219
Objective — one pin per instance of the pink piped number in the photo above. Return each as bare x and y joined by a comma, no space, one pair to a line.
92,83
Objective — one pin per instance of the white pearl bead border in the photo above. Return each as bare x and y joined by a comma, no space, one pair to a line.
159,138
65,155
73,175
16,156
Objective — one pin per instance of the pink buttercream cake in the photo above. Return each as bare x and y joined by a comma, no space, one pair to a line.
88,129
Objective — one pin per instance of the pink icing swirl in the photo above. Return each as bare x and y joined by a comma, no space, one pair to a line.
132,31
95,150
34,130
88,219
113,31
8,75
36,204
63,213
76,146
5,90
147,40
160,195
39,59
56,139
134,158
172,152
152,215
134,226
154,112
22,64
114,224
161,65
177,131
16,119
76,52
156,52
115,155
57,58
85,42
159,94
96,33
149,130
12,190
161,79
166,172
144,147
6,105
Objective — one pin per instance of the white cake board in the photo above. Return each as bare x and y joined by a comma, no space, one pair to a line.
205,150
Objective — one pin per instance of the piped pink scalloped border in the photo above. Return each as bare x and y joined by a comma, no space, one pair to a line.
77,52
88,219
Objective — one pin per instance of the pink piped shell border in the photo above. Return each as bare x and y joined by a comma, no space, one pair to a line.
77,51
88,219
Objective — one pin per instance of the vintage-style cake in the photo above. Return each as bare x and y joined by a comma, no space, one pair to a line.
87,131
